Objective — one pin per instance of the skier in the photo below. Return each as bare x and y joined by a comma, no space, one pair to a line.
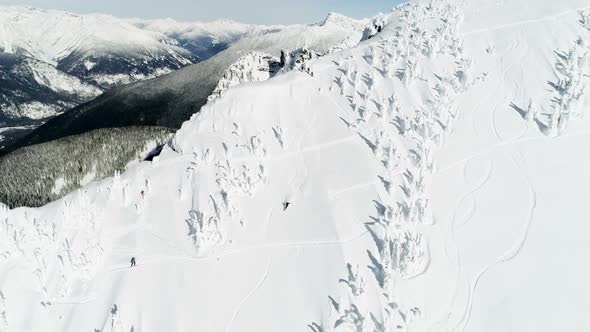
286,205
132,261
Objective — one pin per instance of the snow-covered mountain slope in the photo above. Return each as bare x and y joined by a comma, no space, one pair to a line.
425,195
172,99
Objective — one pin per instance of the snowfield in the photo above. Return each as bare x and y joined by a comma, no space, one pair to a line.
436,177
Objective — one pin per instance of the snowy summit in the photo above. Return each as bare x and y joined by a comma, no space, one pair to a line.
430,176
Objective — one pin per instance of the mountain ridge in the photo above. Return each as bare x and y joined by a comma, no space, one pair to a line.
103,52
171,99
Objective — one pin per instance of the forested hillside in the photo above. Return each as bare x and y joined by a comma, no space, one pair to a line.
38,174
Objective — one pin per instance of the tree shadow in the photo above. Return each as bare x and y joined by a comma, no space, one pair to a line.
368,142
383,71
346,122
368,80
315,327
542,127
519,110
556,87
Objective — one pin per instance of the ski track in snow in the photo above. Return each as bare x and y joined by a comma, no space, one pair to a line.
485,179
248,296
452,226
525,22
504,144
161,258
508,255
501,83
488,150
73,301
307,149
358,186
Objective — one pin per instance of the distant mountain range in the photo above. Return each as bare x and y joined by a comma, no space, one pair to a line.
52,61
146,108
170,100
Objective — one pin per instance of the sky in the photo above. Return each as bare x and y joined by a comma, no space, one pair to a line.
247,11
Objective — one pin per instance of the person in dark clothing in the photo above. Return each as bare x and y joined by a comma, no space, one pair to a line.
286,205
132,261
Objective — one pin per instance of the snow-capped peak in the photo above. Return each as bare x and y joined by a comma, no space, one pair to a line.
342,20
51,35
